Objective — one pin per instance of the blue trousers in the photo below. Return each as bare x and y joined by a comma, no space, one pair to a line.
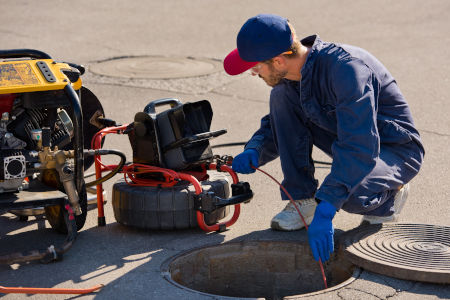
293,138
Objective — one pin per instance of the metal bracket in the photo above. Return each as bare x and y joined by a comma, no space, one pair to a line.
207,202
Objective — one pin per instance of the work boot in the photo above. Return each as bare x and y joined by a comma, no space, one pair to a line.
288,219
399,202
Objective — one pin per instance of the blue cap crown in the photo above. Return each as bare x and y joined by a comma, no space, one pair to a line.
263,37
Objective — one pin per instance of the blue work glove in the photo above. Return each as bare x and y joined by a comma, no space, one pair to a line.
242,162
321,231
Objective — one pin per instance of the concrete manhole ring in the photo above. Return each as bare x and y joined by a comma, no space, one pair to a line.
418,252
257,269
156,67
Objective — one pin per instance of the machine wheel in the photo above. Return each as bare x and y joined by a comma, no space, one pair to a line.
166,208
55,214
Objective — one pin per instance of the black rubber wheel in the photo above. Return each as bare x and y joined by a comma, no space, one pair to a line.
166,208
55,214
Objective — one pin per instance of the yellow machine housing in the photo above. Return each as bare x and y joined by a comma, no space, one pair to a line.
23,76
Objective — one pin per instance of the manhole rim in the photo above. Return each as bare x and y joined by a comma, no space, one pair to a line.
165,271
217,66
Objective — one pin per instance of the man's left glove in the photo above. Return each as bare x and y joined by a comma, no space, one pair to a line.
321,231
243,162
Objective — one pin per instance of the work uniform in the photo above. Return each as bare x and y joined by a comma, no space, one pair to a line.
348,105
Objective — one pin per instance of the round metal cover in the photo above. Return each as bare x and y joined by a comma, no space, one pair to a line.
416,252
156,67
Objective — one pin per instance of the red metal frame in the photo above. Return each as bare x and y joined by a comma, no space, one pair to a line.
96,144
198,190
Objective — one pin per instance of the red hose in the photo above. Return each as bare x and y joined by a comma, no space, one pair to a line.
25,290
129,173
301,216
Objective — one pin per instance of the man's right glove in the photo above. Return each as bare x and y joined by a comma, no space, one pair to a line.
242,162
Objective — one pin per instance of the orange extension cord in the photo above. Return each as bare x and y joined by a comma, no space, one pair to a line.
301,216
25,290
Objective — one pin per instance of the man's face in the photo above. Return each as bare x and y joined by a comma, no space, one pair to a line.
268,73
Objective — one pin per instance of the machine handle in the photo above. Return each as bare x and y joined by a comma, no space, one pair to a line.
151,107
209,202
17,53
194,138
80,68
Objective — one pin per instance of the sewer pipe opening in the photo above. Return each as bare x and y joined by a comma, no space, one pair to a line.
257,269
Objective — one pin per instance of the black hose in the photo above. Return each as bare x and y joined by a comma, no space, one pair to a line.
113,172
228,145
18,53
77,119
243,144
50,254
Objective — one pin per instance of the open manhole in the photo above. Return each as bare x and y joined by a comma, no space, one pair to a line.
257,269
156,67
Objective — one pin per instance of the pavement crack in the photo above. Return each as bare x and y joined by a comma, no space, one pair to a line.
358,290
339,295
435,132
398,291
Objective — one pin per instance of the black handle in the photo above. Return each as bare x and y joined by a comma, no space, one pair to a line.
151,107
17,53
80,68
194,139
209,202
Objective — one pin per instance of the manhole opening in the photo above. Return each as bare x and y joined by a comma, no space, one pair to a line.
257,269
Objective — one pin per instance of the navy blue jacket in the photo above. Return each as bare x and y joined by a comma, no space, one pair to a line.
349,94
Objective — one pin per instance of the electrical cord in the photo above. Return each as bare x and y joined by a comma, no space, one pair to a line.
300,214
114,171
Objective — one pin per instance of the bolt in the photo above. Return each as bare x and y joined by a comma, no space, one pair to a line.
33,153
67,170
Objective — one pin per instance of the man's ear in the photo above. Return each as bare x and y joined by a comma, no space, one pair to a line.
279,62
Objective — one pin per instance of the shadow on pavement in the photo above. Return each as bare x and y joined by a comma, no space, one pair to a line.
113,255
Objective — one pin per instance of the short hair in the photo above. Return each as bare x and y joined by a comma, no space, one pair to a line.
295,46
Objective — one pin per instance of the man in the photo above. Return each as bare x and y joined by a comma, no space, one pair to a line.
345,102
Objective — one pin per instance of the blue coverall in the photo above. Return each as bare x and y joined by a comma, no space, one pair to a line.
348,105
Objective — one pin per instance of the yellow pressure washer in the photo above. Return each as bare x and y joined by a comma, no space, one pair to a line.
47,118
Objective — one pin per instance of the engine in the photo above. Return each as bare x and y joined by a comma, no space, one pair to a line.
21,130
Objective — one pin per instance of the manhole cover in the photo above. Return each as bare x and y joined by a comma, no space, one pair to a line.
256,269
156,67
407,251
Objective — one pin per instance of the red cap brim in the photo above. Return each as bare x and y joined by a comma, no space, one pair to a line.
234,64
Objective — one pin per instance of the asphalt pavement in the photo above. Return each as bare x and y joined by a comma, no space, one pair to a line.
409,37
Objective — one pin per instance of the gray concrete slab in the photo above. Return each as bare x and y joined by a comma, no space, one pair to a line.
409,37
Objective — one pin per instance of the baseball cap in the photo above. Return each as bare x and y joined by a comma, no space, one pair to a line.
261,38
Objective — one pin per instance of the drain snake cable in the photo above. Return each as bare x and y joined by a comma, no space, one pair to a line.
244,143
301,216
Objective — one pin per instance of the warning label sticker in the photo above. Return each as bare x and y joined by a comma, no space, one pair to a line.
17,75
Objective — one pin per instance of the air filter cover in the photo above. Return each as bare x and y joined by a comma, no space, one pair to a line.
418,252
